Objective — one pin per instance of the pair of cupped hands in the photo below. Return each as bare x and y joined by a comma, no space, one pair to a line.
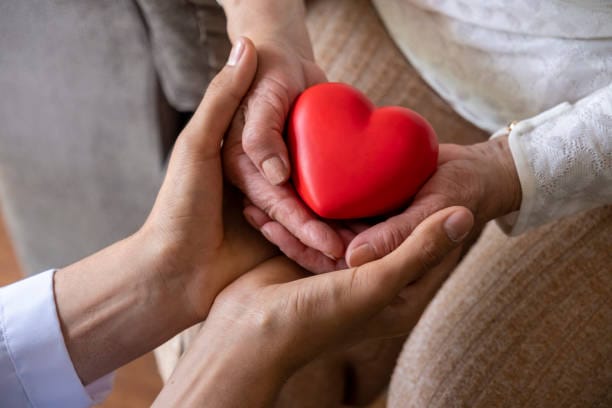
196,258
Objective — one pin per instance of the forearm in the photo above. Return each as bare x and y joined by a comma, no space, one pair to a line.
112,307
263,15
503,185
280,20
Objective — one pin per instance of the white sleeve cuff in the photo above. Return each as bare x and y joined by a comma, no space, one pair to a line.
34,344
563,158
516,222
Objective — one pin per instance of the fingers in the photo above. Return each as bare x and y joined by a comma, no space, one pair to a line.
375,284
333,304
353,296
309,258
290,212
403,313
428,244
257,161
262,138
280,203
209,123
382,238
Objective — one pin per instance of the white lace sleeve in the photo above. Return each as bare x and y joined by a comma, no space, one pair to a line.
564,161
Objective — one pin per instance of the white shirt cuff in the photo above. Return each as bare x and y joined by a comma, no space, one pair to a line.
35,344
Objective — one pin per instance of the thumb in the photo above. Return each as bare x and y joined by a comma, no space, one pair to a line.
208,125
382,238
193,180
370,287
428,245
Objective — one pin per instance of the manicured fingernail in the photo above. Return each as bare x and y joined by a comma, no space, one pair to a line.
275,170
362,254
236,53
458,225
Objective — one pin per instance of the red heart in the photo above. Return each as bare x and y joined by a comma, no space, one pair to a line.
351,160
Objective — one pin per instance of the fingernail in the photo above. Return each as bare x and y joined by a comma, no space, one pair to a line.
250,220
236,53
458,225
330,256
362,254
274,169
266,234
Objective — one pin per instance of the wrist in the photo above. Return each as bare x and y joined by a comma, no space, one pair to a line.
265,21
218,371
178,281
190,277
263,15
112,308
503,184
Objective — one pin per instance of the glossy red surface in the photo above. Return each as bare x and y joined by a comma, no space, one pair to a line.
351,160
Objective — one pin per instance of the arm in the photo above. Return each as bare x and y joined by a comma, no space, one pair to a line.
260,20
35,368
126,299
131,297
115,306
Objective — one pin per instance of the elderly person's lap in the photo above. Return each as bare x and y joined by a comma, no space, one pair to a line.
522,321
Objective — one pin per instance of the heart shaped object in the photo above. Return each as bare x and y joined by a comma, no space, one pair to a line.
351,160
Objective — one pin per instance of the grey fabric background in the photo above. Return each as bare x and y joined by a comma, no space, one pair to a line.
82,117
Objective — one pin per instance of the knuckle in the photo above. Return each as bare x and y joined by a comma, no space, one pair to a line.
268,106
431,254
352,287
279,209
234,96
272,91
394,236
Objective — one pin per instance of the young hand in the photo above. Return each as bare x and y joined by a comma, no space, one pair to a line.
276,318
130,297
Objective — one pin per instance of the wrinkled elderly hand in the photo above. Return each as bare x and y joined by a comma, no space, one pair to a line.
481,177
256,159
